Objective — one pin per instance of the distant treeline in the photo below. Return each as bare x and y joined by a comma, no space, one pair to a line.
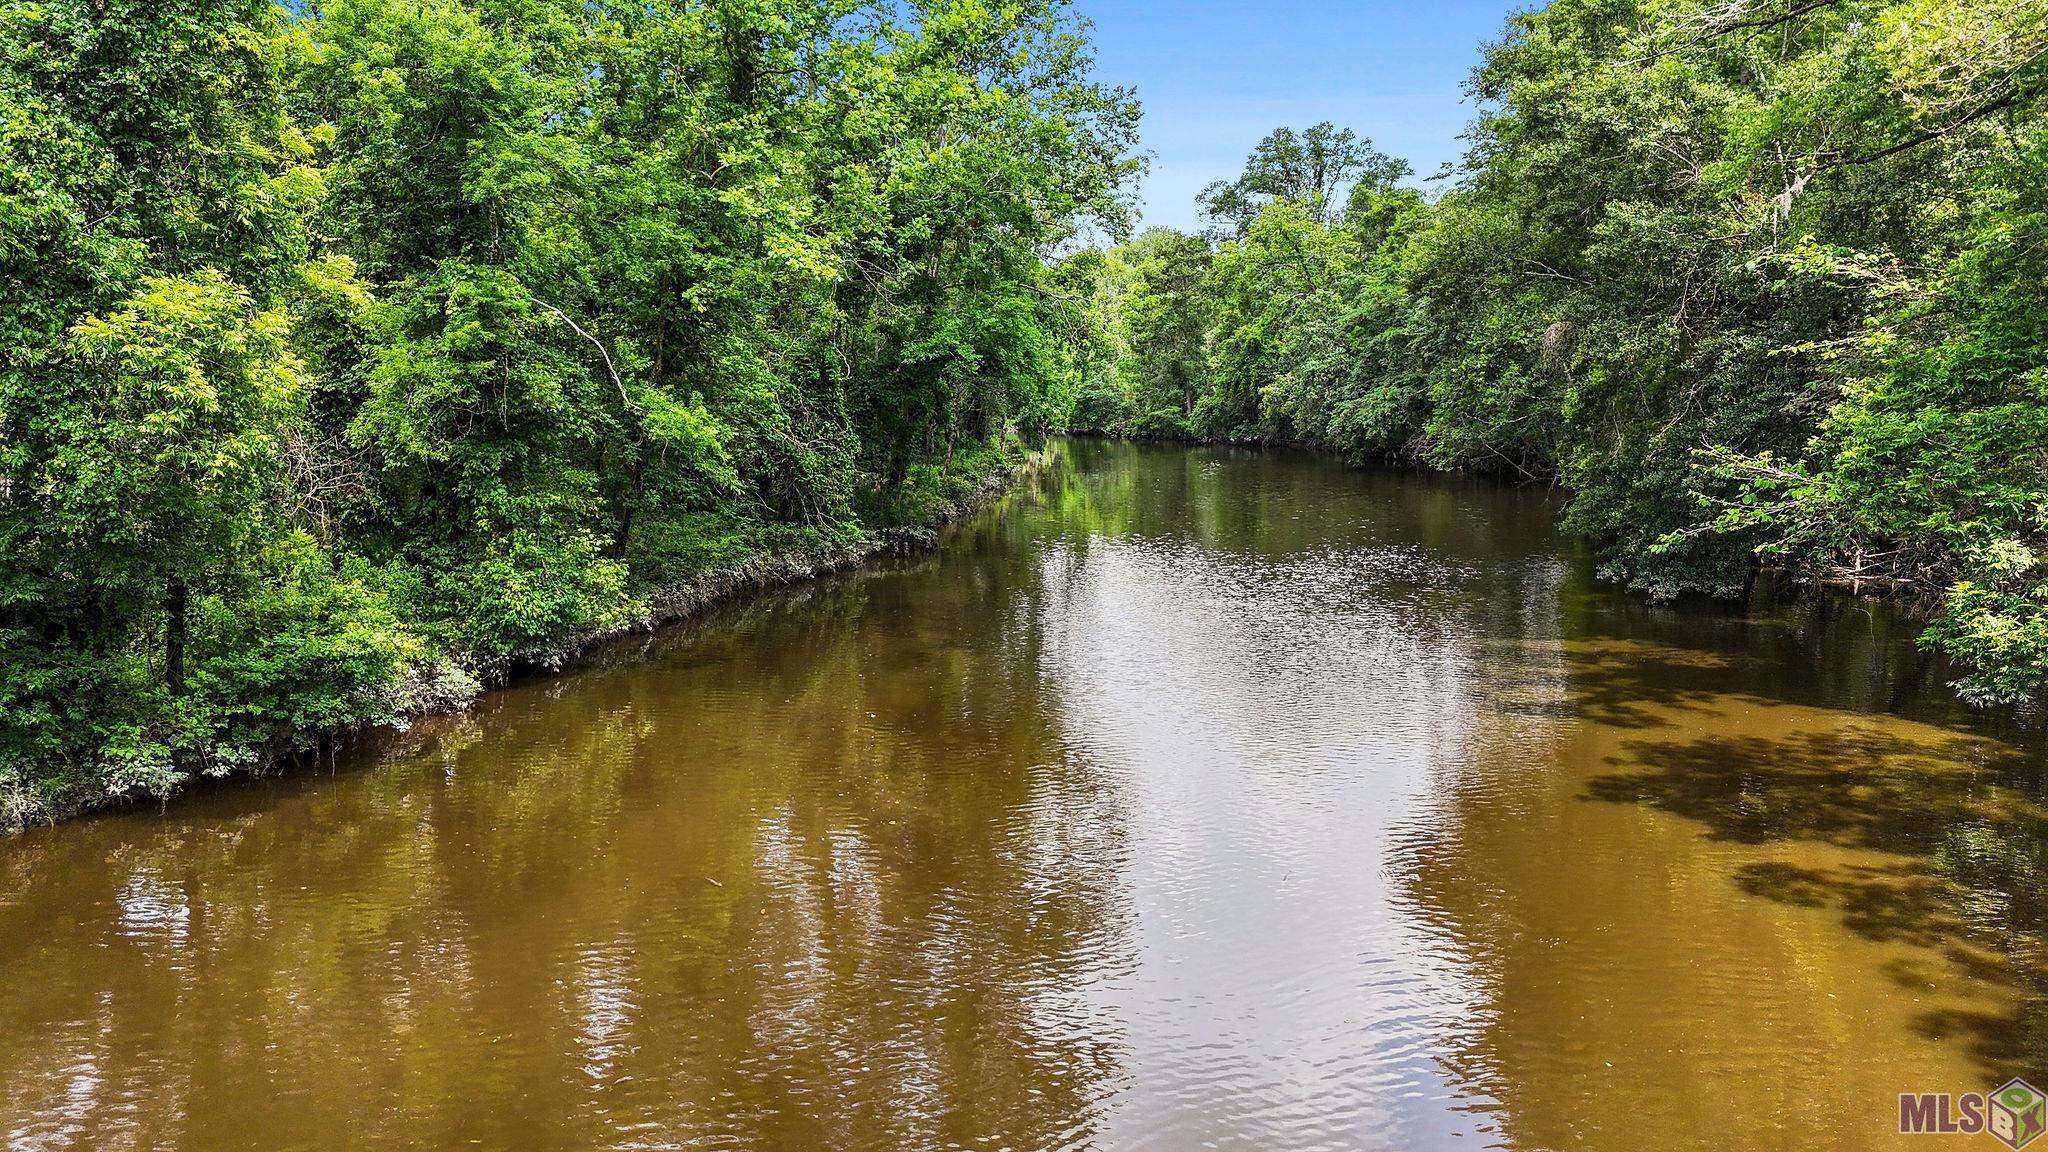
353,349
1758,280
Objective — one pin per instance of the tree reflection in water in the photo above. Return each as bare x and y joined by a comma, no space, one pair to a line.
1199,797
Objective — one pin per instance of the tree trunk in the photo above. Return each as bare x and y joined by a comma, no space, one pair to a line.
623,539
176,602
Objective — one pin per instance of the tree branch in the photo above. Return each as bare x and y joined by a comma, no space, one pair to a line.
1927,135
608,365
1715,31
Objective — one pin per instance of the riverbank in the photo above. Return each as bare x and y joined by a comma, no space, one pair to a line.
1018,812
1919,599
445,682
911,529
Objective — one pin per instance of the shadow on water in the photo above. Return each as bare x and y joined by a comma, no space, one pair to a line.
1954,807
1727,846
1198,797
1960,838
1634,663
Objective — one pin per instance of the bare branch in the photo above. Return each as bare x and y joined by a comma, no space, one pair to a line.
608,365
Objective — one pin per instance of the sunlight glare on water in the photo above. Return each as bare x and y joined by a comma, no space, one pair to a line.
1193,798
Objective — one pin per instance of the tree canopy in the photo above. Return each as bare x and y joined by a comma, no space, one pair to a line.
358,349
1760,281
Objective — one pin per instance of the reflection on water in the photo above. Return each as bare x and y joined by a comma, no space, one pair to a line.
1196,798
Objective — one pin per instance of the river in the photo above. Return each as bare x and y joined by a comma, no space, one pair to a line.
1190,798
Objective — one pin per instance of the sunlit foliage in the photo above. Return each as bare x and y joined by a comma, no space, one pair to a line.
357,349
1760,281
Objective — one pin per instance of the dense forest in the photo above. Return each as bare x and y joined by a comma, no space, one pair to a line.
1763,283
357,350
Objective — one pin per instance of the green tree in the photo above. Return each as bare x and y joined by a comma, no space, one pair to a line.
1313,169
1166,320
365,349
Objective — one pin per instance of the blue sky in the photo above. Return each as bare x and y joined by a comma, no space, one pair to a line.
1215,76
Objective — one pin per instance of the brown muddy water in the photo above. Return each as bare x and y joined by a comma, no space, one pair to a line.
1192,798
